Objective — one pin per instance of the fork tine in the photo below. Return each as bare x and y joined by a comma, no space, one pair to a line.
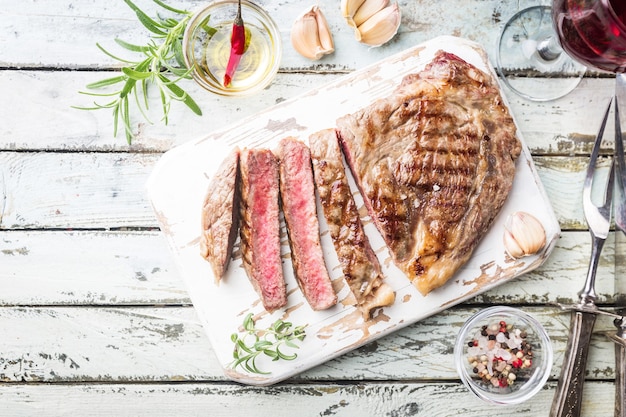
620,205
608,195
596,148
598,217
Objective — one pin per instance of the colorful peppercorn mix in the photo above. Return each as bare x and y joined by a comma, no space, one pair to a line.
498,353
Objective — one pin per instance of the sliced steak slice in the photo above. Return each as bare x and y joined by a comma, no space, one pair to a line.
220,215
260,226
434,162
298,201
359,263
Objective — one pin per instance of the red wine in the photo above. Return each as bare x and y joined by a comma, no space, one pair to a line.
593,32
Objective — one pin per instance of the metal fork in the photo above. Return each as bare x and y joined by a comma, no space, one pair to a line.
620,221
568,397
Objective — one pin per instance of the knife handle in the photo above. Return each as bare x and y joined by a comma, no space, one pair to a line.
620,368
568,398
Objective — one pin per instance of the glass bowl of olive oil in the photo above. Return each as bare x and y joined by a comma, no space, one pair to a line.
207,48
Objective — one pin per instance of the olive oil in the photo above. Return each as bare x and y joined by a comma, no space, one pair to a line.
207,47
255,63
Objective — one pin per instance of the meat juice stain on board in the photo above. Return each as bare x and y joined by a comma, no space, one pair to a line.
350,323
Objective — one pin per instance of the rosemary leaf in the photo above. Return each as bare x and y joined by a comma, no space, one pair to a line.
116,118
91,93
183,96
149,23
126,119
114,56
130,46
169,8
268,342
130,84
136,75
141,105
165,104
281,355
106,82
161,57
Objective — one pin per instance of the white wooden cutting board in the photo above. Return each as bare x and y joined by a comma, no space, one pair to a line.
177,188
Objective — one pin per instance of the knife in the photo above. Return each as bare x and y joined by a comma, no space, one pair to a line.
569,390
620,222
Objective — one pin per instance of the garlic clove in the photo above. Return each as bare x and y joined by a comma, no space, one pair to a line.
310,34
379,28
511,246
326,38
368,9
523,235
349,9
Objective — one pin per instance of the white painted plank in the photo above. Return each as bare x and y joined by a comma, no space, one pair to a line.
136,268
87,268
56,190
41,115
61,345
107,190
67,31
363,399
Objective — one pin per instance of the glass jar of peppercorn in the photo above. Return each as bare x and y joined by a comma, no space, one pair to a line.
503,355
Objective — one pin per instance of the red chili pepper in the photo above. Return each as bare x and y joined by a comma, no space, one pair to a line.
237,47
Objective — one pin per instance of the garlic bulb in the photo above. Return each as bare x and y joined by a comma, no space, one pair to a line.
375,22
523,234
349,9
310,35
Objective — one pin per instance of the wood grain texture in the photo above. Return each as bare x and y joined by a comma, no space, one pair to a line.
74,190
94,317
107,190
72,28
62,345
77,268
364,399
82,268
548,128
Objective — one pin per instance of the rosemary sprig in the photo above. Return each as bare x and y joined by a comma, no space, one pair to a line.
162,66
255,342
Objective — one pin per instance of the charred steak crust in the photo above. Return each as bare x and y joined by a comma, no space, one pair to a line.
358,261
220,215
434,162
297,192
260,226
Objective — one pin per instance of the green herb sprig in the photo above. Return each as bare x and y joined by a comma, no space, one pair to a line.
162,65
255,342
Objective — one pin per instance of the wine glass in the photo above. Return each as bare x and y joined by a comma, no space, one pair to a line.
593,32
530,60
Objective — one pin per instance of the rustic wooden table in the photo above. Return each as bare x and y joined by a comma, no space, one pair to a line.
94,317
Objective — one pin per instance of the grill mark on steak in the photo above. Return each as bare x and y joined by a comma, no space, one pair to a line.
220,215
298,201
358,261
434,162
260,226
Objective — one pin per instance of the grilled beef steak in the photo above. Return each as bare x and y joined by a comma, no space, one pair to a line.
358,261
297,192
260,226
434,162
220,215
